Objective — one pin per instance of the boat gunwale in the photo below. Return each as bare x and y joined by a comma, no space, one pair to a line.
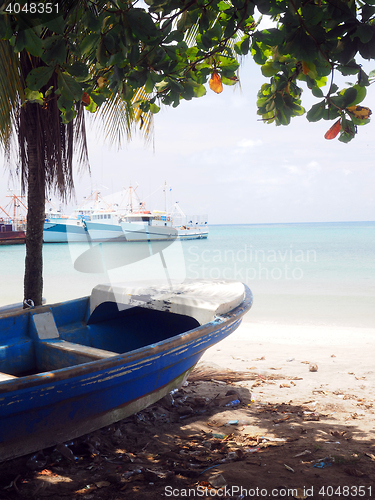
83,369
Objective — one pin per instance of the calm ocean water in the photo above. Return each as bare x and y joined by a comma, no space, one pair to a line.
312,273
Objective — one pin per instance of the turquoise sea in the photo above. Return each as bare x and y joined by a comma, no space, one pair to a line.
305,273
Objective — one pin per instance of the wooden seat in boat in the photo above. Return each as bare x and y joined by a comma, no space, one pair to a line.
53,353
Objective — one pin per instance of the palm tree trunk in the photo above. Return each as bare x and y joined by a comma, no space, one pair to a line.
33,281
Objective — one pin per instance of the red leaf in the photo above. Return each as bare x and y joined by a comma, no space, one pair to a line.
86,99
215,82
334,130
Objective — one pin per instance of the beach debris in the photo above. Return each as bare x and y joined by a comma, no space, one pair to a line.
282,386
234,402
354,472
371,456
279,420
313,367
102,484
299,493
290,360
233,456
323,463
303,453
288,468
310,416
64,449
217,481
338,433
37,461
274,439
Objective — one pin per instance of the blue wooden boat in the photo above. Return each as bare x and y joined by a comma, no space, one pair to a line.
74,367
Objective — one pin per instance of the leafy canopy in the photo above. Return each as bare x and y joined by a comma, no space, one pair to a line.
100,50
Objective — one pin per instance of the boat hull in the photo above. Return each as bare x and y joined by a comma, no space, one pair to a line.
55,232
104,232
140,232
192,234
12,238
41,410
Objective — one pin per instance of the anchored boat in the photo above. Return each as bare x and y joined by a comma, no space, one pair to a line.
73,367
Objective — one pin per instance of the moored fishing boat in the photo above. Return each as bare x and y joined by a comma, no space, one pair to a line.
9,235
70,368
60,228
13,221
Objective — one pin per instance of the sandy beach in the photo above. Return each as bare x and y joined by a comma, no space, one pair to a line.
302,427
344,355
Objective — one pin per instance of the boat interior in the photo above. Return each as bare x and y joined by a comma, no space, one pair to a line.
115,319
66,334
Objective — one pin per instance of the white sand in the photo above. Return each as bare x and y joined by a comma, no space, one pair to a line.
345,356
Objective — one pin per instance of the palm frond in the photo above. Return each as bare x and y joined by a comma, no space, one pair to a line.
11,92
119,119
41,128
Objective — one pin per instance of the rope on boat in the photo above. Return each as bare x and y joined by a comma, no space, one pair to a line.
29,303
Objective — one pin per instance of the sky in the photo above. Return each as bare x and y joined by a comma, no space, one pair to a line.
219,159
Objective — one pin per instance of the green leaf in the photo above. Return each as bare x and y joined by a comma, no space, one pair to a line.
268,69
316,112
149,86
198,89
223,6
154,108
90,43
363,80
331,113
367,12
347,131
91,21
69,87
348,49
316,92
78,70
98,98
33,43
361,94
68,116
349,96
204,22
56,25
92,107
349,69
174,36
54,50
271,37
38,77
333,88
20,41
185,22
312,14
141,24
34,96
64,104
365,33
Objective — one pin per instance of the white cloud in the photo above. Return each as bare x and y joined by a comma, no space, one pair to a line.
249,143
